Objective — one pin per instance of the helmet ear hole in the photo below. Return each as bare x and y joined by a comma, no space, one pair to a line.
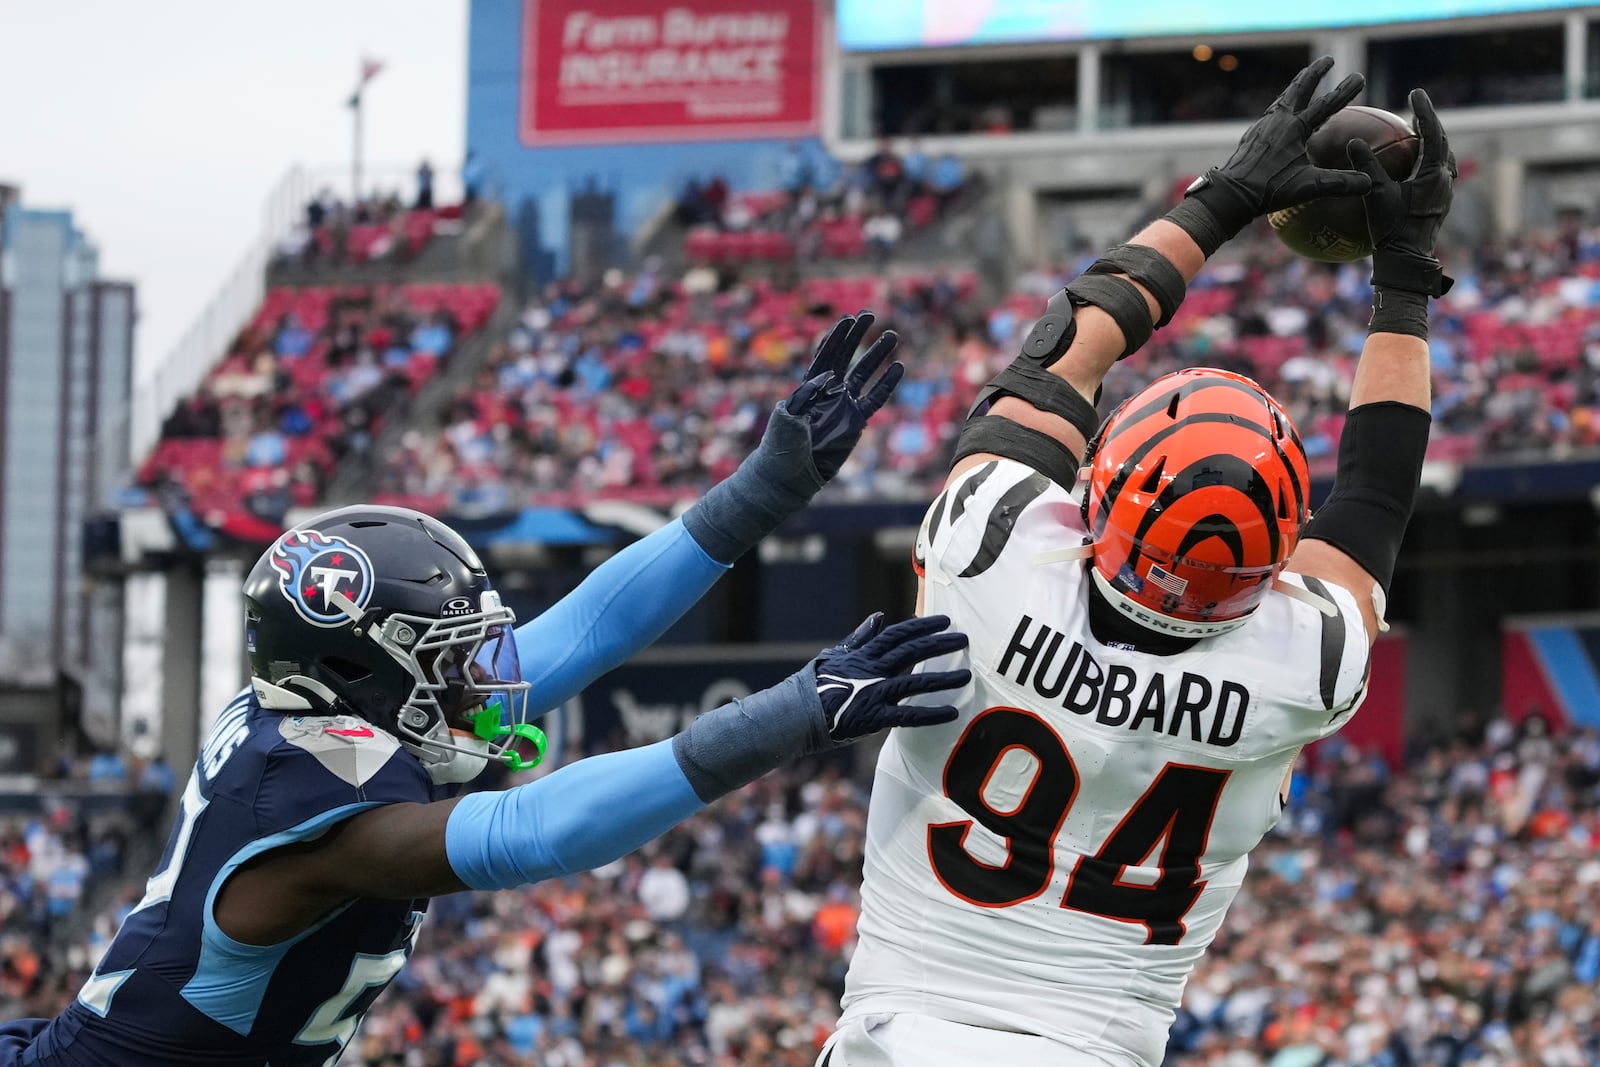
347,671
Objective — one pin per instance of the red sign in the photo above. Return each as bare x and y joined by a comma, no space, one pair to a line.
1380,723
669,70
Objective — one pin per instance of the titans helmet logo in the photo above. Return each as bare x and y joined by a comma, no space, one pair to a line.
312,567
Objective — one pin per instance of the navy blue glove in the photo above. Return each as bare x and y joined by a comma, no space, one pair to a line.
861,679
831,399
806,441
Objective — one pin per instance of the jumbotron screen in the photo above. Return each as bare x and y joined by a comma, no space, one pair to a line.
877,25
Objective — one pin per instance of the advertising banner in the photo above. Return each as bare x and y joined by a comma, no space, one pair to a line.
669,70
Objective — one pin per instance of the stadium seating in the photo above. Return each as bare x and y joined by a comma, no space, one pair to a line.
310,380
651,389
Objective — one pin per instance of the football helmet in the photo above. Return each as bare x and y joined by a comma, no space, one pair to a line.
387,614
1197,490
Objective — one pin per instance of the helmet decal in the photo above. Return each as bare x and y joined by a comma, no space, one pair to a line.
313,566
1195,497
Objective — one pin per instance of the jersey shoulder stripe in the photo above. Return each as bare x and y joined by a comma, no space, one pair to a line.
970,525
1344,656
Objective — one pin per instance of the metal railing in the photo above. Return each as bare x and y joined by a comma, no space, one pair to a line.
177,374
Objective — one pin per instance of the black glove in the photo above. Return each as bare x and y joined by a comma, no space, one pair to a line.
830,398
860,680
1404,217
1270,170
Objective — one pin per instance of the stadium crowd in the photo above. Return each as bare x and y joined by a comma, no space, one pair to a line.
822,209
1443,917
652,387
307,383
60,855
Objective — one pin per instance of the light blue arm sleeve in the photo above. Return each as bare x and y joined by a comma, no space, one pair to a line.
585,815
622,607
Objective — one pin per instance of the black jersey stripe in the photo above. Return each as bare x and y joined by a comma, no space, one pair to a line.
937,517
1003,520
1332,643
969,488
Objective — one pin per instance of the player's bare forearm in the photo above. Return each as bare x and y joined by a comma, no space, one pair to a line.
1393,367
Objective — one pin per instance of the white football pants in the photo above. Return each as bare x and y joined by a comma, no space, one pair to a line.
906,1039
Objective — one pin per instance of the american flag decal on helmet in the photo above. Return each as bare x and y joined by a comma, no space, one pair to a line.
1170,583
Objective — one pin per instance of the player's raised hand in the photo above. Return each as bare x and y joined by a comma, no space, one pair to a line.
834,399
1404,216
862,680
1270,170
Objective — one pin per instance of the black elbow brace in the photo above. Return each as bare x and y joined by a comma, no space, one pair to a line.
1150,269
1380,462
1002,437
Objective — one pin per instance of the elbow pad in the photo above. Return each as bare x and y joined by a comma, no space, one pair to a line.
1380,464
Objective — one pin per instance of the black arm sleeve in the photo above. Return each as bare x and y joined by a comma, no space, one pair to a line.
1380,464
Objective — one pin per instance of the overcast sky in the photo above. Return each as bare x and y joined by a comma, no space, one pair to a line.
164,125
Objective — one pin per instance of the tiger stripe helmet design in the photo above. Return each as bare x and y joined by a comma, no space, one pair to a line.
1197,491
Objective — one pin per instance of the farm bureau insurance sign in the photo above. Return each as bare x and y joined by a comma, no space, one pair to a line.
658,70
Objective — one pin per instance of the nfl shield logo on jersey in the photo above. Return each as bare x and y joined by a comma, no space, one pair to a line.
312,567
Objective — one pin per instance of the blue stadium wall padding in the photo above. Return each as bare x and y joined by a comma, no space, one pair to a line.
1571,671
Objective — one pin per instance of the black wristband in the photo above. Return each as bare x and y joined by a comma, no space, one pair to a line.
1197,220
1411,271
1398,311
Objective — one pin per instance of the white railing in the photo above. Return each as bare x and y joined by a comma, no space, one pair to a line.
177,374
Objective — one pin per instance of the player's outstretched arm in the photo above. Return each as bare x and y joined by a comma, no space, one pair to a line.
1135,288
601,808
631,599
1354,538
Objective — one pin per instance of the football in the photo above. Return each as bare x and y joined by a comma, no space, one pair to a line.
1334,229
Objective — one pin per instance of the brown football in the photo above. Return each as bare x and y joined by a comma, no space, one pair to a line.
1334,229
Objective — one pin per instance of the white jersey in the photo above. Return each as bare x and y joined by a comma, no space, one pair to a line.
1056,860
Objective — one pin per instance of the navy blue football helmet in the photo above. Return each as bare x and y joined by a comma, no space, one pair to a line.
388,614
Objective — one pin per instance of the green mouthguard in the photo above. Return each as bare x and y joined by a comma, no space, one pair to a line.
487,726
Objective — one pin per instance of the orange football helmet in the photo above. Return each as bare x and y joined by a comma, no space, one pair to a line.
1197,491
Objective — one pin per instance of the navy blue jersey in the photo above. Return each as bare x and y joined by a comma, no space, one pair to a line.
173,988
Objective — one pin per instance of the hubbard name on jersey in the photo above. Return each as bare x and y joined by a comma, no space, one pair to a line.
1056,860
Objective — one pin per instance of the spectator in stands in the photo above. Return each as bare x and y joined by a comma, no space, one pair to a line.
883,229
424,201
794,169
472,175
886,173
293,339
946,178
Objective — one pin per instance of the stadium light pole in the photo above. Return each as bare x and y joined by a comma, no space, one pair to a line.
369,70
